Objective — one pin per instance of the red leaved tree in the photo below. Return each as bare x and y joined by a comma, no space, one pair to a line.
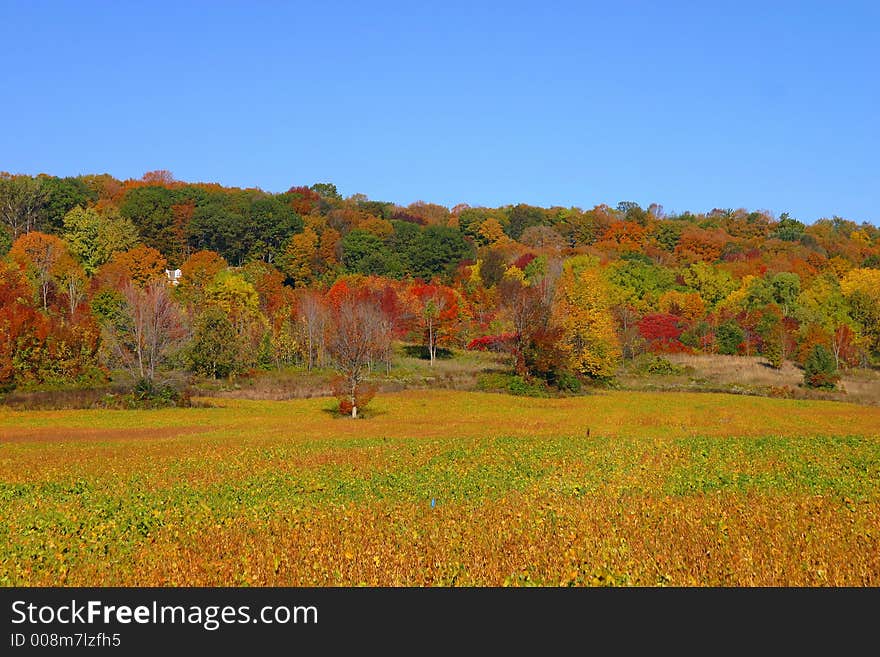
662,332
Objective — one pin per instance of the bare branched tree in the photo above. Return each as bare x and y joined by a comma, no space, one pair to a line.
313,322
360,332
528,309
148,328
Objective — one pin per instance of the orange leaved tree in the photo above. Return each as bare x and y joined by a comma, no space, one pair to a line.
38,255
437,313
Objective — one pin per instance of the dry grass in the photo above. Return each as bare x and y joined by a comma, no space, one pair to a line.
752,374
409,373
739,369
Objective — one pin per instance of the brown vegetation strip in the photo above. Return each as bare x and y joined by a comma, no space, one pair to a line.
67,434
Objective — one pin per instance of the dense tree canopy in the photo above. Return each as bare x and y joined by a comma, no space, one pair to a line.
567,292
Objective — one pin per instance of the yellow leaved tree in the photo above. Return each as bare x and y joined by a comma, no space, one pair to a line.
582,309
300,257
861,288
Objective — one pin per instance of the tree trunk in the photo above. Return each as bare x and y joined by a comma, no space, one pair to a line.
72,299
151,362
835,349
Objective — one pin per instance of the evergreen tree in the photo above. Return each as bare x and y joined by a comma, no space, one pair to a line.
820,370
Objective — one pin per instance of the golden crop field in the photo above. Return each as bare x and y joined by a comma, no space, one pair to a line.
446,488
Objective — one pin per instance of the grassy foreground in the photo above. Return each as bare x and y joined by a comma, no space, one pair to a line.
615,488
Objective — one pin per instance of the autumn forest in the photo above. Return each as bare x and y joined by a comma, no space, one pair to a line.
309,279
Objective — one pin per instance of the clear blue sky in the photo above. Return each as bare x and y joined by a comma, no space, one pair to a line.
762,105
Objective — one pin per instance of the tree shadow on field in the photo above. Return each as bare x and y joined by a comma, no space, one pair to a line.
366,414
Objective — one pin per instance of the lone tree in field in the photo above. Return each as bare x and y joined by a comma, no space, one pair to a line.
820,370
360,333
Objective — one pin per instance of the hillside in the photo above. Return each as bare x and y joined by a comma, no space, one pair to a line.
158,280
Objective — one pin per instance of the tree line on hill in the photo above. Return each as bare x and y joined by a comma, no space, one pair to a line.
310,278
